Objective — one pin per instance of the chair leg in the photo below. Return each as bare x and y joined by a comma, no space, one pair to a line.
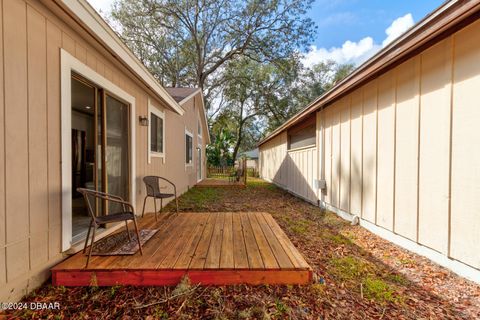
144,201
161,205
138,236
88,236
128,231
155,206
91,245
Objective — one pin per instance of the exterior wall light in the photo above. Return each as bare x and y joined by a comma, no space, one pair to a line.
143,121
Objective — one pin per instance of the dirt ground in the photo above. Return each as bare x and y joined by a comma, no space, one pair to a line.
359,275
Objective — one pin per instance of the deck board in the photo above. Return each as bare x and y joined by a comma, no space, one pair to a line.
211,248
240,259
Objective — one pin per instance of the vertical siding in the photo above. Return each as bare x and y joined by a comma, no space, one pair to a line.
328,155
406,162
410,140
2,160
345,155
37,136
465,188
16,137
434,146
54,42
356,154
335,185
369,154
274,165
302,171
386,150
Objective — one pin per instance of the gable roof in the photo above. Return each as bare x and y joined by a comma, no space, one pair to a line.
181,95
82,12
442,22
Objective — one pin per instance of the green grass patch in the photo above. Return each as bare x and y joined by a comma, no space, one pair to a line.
348,268
298,226
259,183
397,278
198,197
378,290
333,220
338,239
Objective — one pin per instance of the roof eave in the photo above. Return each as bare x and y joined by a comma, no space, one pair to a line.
419,34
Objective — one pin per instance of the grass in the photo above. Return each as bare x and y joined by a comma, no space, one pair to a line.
298,226
198,198
348,268
379,291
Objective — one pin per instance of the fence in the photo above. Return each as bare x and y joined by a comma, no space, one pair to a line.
238,172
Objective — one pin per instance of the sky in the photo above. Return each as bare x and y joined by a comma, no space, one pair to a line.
351,31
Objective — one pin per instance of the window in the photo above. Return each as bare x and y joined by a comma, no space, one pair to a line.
302,135
188,148
156,134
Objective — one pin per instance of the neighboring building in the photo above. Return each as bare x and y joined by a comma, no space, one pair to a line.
252,159
397,142
77,108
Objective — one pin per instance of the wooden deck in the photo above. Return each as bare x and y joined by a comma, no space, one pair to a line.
219,183
211,248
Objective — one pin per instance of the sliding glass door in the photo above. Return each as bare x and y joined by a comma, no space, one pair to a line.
100,149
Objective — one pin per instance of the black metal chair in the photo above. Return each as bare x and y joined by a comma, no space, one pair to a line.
152,184
127,214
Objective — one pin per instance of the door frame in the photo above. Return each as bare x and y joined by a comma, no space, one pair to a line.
70,64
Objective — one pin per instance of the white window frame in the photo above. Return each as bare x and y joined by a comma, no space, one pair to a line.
187,132
161,114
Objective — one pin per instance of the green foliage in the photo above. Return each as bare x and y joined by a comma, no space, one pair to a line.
219,152
187,42
378,290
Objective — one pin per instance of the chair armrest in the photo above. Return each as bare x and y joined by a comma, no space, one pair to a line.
113,198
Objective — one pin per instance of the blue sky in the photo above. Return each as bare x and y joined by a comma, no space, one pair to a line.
351,31
342,20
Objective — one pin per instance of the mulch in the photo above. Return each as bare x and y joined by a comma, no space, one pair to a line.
359,276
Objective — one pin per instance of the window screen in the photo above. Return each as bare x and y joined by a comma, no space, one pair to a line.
188,149
156,133
302,138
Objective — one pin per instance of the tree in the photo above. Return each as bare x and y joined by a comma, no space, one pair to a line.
320,78
189,41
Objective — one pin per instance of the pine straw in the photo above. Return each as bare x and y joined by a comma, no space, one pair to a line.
359,276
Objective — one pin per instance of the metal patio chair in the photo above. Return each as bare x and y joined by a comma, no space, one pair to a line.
152,184
127,214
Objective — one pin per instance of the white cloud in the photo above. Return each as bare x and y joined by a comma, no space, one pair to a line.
398,27
358,52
